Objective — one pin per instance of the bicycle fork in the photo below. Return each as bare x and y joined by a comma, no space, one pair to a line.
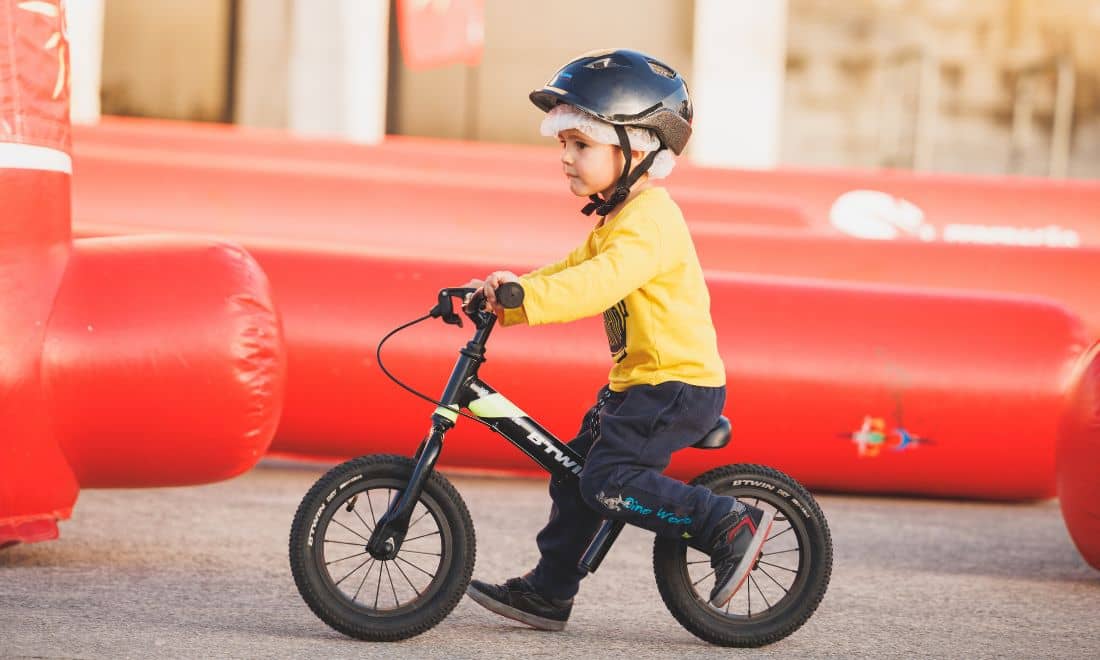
388,535
385,541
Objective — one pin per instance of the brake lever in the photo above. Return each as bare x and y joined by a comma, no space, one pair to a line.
444,307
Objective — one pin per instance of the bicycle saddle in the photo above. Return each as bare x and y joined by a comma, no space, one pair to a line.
717,437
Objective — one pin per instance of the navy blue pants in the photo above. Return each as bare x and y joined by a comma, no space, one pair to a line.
627,440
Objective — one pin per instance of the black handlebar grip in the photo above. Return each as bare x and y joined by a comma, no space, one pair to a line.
510,295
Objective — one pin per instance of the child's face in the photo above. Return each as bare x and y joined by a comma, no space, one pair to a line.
590,166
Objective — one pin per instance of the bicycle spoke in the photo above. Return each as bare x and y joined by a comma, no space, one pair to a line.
371,505
701,561
778,535
358,545
702,578
782,568
418,552
355,569
748,590
396,602
370,530
358,554
752,581
378,587
785,589
422,536
778,552
413,523
431,575
350,529
361,583
398,567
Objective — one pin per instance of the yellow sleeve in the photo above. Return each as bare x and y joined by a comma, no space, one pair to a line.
517,316
550,269
513,316
630,257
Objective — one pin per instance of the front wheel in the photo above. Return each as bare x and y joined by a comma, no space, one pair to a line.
785,585
376,599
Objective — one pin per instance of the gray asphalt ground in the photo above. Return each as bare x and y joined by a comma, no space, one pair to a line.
202,572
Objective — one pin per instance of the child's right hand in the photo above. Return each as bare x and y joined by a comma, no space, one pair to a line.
488,288
495,279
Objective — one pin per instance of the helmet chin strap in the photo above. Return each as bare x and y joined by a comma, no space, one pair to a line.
627,179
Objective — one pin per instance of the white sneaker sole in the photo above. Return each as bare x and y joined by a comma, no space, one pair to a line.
745,567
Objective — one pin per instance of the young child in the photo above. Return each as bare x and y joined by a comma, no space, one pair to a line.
666,387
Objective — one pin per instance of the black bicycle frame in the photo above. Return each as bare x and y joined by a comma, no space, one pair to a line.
465,390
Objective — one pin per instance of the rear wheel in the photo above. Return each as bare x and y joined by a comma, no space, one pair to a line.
785,585
380,599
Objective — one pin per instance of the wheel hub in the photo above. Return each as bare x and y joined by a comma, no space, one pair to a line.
386,552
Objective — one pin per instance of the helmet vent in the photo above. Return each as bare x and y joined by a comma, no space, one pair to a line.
661,69
603,63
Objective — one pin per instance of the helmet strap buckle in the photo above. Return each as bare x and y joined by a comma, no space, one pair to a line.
626,180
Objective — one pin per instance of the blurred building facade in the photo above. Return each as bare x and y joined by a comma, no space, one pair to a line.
975,86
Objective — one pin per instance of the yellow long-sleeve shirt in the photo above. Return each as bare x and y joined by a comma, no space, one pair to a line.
640,270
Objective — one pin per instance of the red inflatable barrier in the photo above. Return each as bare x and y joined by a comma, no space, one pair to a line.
164,362
364,204
903,205
115,353
458,199
1068,276
231,202
264,193
520,168
37,486
1079,458
884,390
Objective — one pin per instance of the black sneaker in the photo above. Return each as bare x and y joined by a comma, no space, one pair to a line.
517,600
737,546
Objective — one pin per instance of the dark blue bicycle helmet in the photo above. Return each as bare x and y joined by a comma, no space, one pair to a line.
623,88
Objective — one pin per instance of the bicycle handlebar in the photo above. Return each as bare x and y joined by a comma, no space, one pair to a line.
510,295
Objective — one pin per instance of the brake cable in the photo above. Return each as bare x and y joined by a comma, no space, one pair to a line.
378,356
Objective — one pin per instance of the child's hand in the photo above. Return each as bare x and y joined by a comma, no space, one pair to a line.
472,284
495,279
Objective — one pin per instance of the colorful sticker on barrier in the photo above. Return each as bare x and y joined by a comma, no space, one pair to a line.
872,437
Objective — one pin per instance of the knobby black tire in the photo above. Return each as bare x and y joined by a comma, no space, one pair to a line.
813,559
336,490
